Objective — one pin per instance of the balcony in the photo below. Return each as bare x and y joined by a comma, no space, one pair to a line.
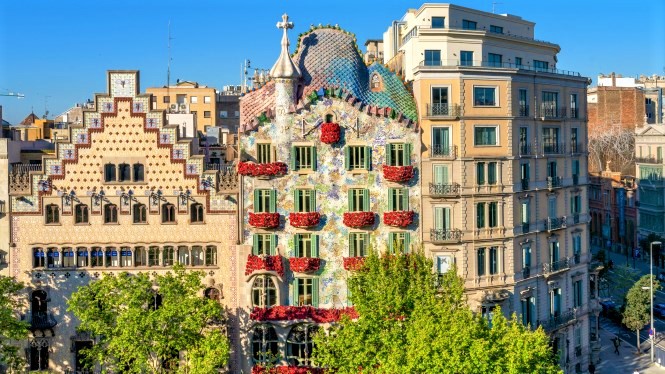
576,218
475,64
526,272
576,180
523,111
552,112
445,236
444,190
443,110
577,148
558,321
574,113
525,228
526,149
20,181
550,148
555,223
554,182
525,184
41,321
649,160
556,266
448,152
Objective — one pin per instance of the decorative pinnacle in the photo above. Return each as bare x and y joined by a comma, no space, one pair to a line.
285,25
284,67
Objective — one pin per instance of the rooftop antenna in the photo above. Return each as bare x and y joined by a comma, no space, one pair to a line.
494,4
168,65
46,112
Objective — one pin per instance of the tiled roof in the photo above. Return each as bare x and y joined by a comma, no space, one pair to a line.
254,103
29,120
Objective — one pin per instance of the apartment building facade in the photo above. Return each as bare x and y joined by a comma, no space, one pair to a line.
186,97
504,167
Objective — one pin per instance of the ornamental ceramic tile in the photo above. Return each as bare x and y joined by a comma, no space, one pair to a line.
152,122
93,121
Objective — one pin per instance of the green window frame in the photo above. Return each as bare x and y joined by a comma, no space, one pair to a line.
480,215
484,96
398,199
469,25
575,204
491,173
480,173
306,245
485,135
304,200
357,157
306,292
494,260
264,244
496,29
263,153
265,201
493,213
303,158
399,241
358,244
398,154
480,256
577,294
358,200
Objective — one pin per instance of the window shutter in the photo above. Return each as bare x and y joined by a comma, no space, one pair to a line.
365,200
407,242
363,252
391,198
315,245
314,161
368,158
446,224
255,245
391,242
273,201
347,158
273,244
405,199
352,245
349,196
315,292
256,200
273,153
296,244
295,292
293,158
312,200
296,200
572,204
438,218
407,154
389,156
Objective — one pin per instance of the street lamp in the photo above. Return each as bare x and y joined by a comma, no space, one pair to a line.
653,332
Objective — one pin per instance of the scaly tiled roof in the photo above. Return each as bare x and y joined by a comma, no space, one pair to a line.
255,103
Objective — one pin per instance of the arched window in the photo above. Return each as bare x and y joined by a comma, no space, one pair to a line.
299,345
168,256
52,214
39,302
211,255
140,213
265,346
138,172
376,83
197,256
53,258
68,259
264,291
211,293
156,301
124,173
153,256
81,256
125,257
109,173
96,257
330,118
168,213
110,213
183,255
196,212
140,256
112,257
38,257
81,213
39,352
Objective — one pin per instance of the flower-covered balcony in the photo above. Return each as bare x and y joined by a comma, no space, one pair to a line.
358,219
304,264
303,220
291,313
271,169
398,218
264,220
330,133
353,263
399,174
287,370
263,262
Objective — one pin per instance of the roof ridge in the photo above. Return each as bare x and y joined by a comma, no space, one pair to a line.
335,27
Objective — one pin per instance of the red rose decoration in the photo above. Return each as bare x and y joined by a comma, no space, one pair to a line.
270,263
398,173
399,219
304,219
304,264
255,170
358,219
290,313
287,370
353,263
264,220
330,133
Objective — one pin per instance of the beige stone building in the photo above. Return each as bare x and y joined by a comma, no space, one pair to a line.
125,194
187,97
504,167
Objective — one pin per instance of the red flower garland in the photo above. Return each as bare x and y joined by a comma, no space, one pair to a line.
399,218
304,264
353,263
264,220
330,133
255,170
270,263
358,219
398,173
287,370
304,219
290,313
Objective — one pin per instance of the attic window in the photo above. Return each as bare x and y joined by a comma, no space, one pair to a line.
376,82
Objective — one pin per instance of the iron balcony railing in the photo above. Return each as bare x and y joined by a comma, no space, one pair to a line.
555,223
525,184
445,236
224,168
526,149
559,265
447,63
440,190
42,321
443,110
574,112
558,320
553,182
553,112
525,228
576,148
443,151
552,148
649,160
576,218
523,111
526,273
25,168
576,179
577,258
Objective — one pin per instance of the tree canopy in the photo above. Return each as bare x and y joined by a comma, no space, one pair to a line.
412,321
11,328
142,324
638,305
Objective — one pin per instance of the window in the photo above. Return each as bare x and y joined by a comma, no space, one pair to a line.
153,256
541,65
110,213
167,99
573,106
80,213
299,345
484,96
493,208
358,200
306,291
140,258
265,344
481,261
197,256
109,173
480,215
551,140
206,99
303,158
79,358
442,220
495,60
263,153
206,114
488,314
39,350
577,294
494,260
440,141
306,245
577,248
264,244
469,25
264,291
398,154
126,257
576,204
183,255
432,57
466,58
551,169
193,99
139,213
124,173
138,172
496,29
168,255
550,101
211,255
168,213
304,200
573,142
196,212
523,103
491,173
52,214
525,216
555,302
554,252
112,257
438,22
223,114
358,244
398,199
265,201
357,157
480,173
524,175
81,257
444,263
96,257
528,311
236,114
526,257
212,293
485,135
518,62
399,242
68,259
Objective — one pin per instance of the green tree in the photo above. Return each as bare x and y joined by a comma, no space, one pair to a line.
638,305
142,324
412,321
11,329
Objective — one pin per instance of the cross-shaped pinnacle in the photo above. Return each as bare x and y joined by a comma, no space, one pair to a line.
285,24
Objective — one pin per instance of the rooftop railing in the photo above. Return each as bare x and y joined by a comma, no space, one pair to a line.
449,63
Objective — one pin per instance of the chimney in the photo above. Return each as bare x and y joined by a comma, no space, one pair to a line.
614,79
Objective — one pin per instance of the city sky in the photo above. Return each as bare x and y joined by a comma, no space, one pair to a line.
56,53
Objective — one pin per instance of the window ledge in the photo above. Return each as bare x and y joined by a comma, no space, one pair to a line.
169,223
141,183
82,224
53,224
304,171
112,223
140,223
358,171
197,223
